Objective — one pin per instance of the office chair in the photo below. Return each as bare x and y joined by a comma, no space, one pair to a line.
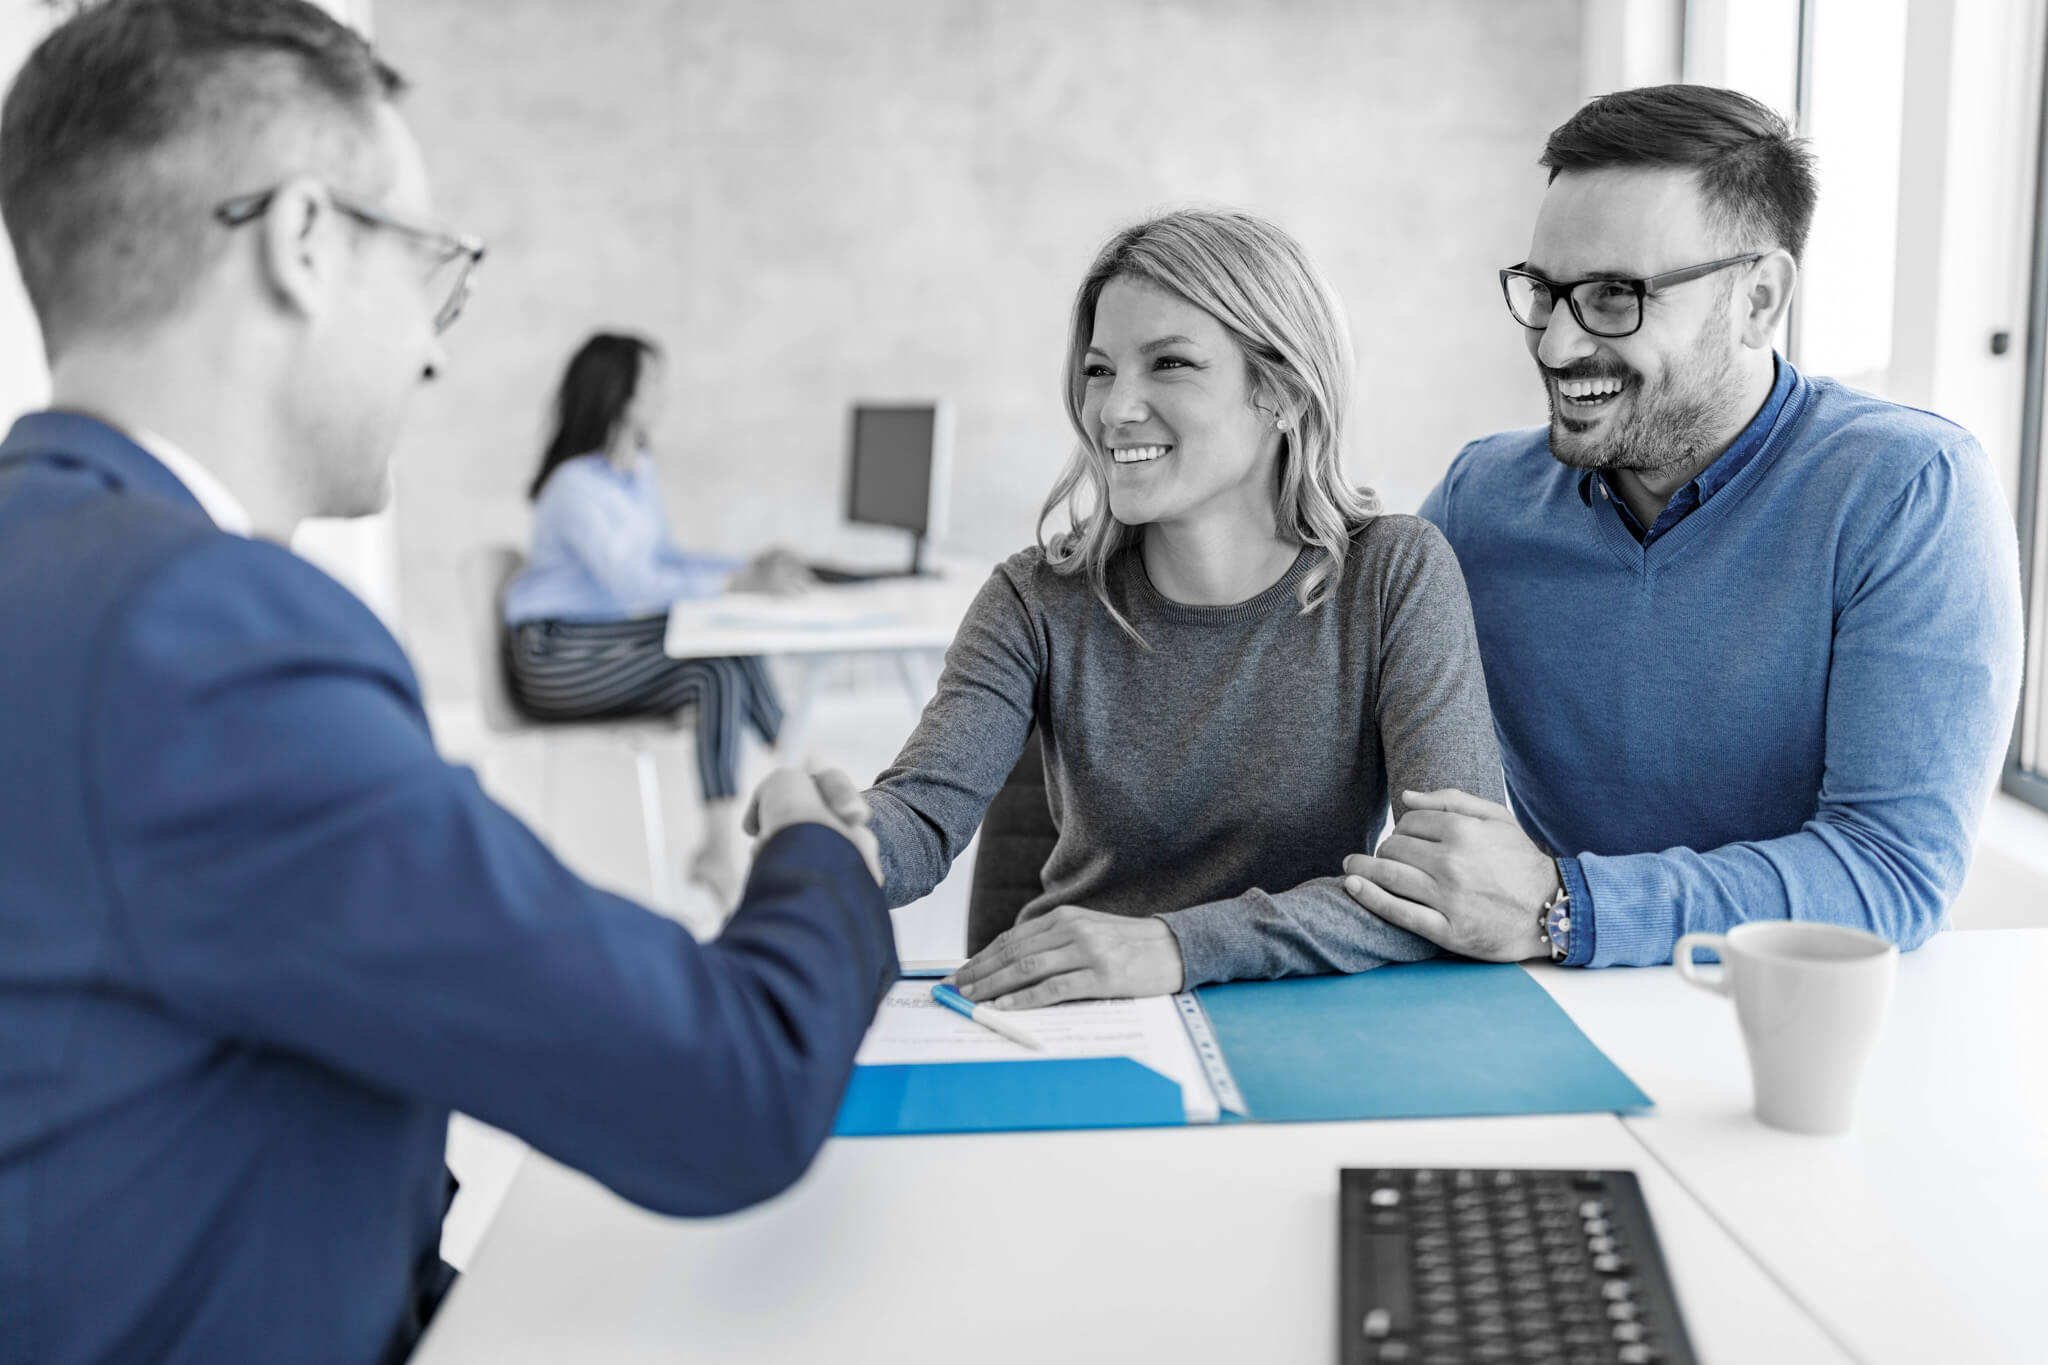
1017,836
486,570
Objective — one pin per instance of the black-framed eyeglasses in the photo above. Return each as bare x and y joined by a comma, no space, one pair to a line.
1603,307
451,250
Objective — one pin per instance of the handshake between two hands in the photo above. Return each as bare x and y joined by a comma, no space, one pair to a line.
791,796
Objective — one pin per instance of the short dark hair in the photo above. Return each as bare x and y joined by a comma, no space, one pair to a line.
124,120
596,390
1756,177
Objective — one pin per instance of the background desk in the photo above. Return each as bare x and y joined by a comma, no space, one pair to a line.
920,614
1921,1237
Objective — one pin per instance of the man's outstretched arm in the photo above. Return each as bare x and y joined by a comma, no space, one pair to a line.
293,866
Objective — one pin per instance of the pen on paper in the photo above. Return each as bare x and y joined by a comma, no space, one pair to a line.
990,1019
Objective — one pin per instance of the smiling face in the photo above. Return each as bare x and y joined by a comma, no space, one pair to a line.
1168,410
1672,392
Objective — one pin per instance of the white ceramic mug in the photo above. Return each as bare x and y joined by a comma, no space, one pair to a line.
1810,998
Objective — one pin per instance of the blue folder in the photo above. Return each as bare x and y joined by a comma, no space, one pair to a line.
1426,1040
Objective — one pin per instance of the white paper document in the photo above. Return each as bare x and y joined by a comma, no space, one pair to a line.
911,1028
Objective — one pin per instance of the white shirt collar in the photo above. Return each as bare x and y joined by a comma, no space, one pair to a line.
212,495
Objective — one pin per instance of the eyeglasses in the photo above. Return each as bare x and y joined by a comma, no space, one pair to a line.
457,251
1603,307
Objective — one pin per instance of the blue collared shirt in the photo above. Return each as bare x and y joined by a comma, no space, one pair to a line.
1710,480
602,549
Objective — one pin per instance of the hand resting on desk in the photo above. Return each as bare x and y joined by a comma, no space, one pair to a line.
1073,953
1459,871
776,572
791,796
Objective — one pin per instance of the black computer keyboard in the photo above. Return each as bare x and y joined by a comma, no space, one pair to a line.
1469,1267
829,573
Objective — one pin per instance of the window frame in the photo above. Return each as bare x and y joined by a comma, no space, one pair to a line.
2024,783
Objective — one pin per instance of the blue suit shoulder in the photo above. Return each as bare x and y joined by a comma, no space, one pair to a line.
226,606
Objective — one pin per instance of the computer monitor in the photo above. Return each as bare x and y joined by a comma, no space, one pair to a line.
898,467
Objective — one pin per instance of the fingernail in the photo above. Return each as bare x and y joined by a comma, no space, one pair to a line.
1354,884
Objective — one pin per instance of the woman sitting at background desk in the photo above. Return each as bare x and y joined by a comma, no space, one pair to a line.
1231,657
588,615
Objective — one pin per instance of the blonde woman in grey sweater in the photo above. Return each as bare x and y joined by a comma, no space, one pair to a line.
1233,658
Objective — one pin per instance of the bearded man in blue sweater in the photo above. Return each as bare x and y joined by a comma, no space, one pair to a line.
1752,637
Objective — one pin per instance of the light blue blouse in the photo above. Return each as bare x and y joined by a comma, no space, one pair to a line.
602,551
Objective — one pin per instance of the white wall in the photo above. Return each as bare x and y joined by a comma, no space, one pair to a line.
24,378
812,202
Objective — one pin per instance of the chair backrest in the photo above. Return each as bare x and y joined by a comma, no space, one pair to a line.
486,569
1017,837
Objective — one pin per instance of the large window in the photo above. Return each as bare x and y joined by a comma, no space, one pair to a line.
2026,774
1918,282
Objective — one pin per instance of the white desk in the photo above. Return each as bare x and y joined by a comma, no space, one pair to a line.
910,618
1922,1235
1195,1245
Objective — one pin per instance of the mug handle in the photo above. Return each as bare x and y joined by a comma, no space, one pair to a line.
1681,958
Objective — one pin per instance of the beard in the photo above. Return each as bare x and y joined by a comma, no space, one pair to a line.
1669,424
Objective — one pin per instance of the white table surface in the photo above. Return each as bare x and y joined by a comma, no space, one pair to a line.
1922,1234
1196,1245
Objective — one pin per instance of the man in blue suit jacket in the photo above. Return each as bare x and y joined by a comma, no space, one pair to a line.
256,938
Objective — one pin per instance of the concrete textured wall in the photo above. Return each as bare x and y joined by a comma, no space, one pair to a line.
810,201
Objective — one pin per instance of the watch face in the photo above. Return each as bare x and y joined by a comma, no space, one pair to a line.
1557,926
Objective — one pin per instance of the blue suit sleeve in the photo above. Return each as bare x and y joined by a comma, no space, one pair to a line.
295,867
1920,700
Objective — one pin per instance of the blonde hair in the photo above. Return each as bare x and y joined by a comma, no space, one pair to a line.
1256,281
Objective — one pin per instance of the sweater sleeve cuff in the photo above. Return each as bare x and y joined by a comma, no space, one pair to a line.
1583,929
1204,933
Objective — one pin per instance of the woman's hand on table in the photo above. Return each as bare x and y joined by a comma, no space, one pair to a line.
1074,953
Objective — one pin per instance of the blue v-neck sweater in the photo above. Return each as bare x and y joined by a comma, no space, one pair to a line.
1792,704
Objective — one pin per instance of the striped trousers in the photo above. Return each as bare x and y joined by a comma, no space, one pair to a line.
573,670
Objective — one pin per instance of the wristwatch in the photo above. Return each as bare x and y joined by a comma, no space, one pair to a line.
1554,920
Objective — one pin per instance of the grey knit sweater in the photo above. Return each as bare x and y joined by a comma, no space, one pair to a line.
1218,778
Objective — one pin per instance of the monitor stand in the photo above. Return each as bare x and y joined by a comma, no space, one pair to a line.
826,573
